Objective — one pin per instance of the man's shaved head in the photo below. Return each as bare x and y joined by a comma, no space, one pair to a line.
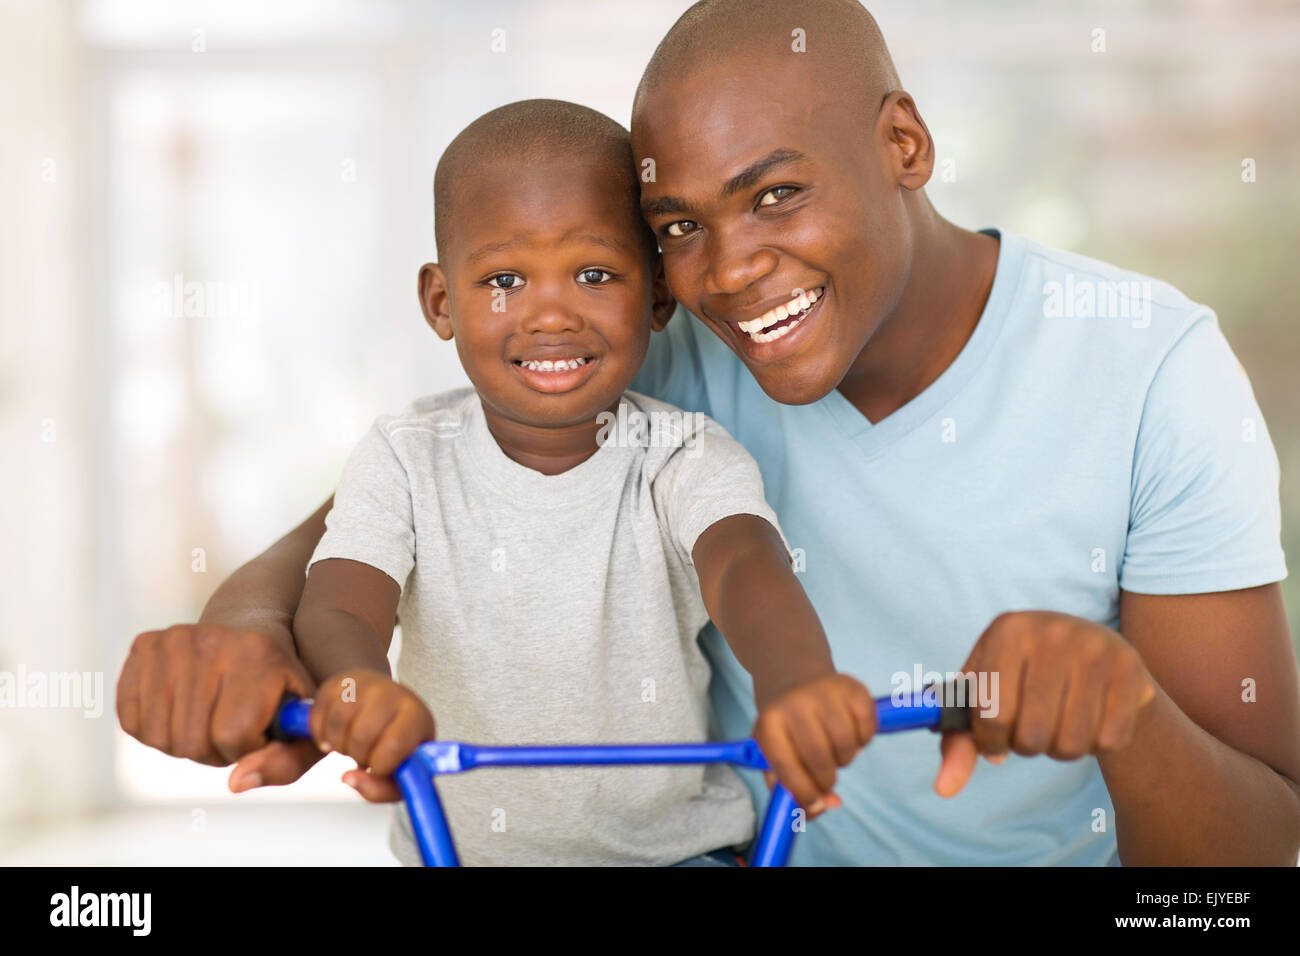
840,35
787,188
527,133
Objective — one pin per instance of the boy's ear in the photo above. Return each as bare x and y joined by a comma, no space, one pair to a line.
663,304
435,299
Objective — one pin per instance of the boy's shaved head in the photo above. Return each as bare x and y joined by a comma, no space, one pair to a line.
841,36
530,132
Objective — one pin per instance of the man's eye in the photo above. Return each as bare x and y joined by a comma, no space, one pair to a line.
680,228
505,280
594,277
774,195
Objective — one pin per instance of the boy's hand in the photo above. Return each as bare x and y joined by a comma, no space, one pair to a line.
809,731
1067,687
208,693
374,720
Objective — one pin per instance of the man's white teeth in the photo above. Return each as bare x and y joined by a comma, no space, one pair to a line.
796,306
564,365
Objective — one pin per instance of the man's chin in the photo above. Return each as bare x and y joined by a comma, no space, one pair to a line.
788,388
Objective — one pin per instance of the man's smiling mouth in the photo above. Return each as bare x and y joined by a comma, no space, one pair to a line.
781,320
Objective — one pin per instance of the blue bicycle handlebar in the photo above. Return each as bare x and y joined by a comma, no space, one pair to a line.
914,711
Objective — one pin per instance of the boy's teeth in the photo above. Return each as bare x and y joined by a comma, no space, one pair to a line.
564,365
800,303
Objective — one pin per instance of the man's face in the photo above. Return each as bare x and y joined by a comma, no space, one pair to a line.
771,198
550,290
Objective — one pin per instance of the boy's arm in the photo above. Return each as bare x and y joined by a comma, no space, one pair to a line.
207,691
811,718
343,628
344,621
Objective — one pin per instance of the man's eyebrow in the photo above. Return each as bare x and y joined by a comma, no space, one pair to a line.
754,171
669,205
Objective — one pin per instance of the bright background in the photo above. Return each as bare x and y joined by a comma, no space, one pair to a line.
281,155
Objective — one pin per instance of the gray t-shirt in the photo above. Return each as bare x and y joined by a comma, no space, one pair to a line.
555,609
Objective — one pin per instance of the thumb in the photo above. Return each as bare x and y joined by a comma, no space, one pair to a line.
274,765
374,789
959,757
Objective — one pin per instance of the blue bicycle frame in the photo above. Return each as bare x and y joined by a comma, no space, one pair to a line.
921,709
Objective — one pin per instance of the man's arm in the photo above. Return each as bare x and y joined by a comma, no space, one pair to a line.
1212,775
207,691
811,718
262,595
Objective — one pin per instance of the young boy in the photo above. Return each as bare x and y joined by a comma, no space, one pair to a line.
552,562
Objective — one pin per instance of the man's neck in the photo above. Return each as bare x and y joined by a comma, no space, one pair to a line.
947,288
550,451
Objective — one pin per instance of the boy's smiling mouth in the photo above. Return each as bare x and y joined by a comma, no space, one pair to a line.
554,372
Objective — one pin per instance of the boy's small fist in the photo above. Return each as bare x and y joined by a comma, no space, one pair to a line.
371,718
809,731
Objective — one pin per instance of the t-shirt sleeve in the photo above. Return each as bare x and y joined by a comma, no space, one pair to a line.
372,519
1205,512
708,478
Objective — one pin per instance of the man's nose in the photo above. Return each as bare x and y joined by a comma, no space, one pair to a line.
736,261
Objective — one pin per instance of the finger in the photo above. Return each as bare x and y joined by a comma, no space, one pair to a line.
368,728
783,758
155,700
241,715
372,788
863,708
397,742
276,764
813,744
959,758
336,723
128,687
841,728
1081,712
1043,692
192,716
1122,705
1001,654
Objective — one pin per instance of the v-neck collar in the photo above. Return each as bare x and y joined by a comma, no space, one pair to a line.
873,439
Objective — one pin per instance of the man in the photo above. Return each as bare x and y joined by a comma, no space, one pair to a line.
981,479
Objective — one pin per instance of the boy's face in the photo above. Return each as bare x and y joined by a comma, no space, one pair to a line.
547,288
770,184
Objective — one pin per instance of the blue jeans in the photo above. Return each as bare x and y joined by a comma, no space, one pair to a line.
723,857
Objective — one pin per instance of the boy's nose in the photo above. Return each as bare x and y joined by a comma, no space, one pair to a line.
552,315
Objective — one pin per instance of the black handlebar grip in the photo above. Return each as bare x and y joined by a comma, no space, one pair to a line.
953,718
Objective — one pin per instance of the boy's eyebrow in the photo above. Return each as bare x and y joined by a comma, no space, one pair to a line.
666,205
487,249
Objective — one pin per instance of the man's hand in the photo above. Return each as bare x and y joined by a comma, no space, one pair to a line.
208,693
374,720
809,731
1066,688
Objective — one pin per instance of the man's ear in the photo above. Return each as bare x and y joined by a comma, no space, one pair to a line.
435,299
911,146
663,304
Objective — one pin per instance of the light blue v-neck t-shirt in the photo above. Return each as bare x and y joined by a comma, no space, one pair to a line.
1095,433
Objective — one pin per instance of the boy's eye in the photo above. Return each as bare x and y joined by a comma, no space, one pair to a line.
680,228
594,277
774,195
506,280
